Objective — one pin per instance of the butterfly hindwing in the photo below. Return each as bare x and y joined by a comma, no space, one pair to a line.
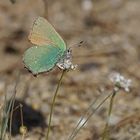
38,59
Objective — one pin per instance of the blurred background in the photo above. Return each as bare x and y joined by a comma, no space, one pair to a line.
110,31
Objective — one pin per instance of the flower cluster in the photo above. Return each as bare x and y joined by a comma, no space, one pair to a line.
66,62
120,82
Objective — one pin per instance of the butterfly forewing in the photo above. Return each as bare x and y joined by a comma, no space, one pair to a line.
43,33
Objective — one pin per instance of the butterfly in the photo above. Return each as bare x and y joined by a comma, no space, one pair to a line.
48,51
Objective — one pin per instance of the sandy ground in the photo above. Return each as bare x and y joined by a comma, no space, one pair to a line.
110,30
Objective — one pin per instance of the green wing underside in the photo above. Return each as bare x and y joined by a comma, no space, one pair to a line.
40,59
44,29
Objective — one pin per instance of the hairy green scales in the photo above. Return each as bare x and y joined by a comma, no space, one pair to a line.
45,29
42,58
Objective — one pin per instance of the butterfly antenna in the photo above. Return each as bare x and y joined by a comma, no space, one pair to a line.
80,44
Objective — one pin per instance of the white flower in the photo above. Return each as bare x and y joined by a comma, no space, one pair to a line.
120,81
66,62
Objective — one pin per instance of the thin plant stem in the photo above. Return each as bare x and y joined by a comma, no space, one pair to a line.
22,129
8,105
13,102
46,8
79,127
22,125
21,114
81,119
86,113
53,104
4,117
106,129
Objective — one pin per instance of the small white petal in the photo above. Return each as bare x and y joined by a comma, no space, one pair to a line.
65,63
120,81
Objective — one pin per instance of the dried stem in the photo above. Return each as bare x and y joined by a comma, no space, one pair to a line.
53,104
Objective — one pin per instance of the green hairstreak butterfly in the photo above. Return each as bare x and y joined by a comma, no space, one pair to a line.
49,50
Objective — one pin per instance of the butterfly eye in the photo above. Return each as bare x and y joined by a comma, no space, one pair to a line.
69,51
